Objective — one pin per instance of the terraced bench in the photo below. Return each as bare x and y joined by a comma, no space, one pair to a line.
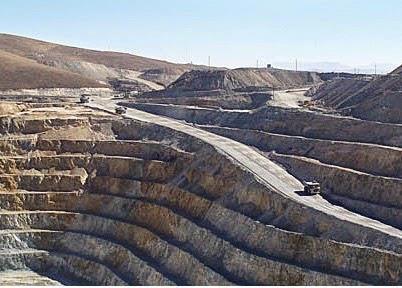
370,158
172,211
225,228
374,196
33,126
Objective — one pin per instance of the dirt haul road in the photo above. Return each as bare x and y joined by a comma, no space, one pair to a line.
266,171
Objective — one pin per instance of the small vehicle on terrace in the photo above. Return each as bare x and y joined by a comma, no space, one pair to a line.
311,187
121,110
84,98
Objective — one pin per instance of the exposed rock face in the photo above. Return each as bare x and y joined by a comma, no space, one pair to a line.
147,205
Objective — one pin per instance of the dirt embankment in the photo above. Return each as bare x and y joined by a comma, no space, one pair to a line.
163,76
333,92
243,78
244,88
375,100
397,70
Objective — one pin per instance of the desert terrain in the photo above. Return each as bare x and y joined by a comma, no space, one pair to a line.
201,180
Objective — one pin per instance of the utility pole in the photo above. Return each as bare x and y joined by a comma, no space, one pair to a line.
257,63
375,69
296,64
209,61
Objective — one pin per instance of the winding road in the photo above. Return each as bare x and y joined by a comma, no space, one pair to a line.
266,171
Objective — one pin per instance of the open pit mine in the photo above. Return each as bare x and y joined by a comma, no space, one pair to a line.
215,177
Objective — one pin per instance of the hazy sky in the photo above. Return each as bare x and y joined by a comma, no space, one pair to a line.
233,33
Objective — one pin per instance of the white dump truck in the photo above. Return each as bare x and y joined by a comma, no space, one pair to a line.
121,110
311,187
84,98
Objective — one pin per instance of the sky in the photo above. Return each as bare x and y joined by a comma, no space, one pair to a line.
355,33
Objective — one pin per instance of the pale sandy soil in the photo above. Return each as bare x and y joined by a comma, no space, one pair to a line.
289,98
24,278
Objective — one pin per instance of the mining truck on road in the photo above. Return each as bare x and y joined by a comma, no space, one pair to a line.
84,98
311,187
121,110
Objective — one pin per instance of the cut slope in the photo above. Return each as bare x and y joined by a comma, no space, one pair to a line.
21,73
397,70
243,78
333,92
377,100
380,100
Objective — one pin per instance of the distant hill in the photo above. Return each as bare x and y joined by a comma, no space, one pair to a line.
104,63
326,67
17,72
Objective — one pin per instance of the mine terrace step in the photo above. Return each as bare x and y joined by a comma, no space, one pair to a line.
370,158
323,277
243,255
25,125
59,200
289,121
134,236
20,169
81,244
218,219
36,200
387,215
19,192
148,150
25,278
344,181
61,181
